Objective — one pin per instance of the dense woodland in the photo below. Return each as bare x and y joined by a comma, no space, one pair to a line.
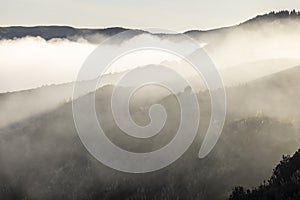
284,183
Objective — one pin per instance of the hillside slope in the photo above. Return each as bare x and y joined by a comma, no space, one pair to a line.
43,158
284,183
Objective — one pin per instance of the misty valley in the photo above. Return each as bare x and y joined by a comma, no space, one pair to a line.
256,157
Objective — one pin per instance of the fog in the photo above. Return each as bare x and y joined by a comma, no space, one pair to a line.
42,156
32,62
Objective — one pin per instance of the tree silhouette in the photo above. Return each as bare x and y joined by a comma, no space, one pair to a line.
284,183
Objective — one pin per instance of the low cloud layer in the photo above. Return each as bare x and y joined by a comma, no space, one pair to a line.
32,62
247,51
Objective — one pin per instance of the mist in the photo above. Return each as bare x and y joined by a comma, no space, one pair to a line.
42,156
32,62
28,63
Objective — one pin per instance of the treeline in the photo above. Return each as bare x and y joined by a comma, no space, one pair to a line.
284,14
284,183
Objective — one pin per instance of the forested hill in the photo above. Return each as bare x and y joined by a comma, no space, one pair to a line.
284,184
67,32
276,16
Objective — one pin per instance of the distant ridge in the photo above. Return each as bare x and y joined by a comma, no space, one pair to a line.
58,32
269,17
73,34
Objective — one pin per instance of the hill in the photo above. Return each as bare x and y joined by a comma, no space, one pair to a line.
274,95
71,33
272,16
284,183
59,32
43,158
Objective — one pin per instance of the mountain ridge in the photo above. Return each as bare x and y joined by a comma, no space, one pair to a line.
72,33
268,17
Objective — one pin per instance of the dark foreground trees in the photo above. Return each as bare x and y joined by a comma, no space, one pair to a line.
284,184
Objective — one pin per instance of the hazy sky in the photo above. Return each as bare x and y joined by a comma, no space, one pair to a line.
168,14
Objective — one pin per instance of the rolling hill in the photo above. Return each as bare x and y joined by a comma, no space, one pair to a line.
43,158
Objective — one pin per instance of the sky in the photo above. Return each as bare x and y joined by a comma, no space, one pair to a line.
171,15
